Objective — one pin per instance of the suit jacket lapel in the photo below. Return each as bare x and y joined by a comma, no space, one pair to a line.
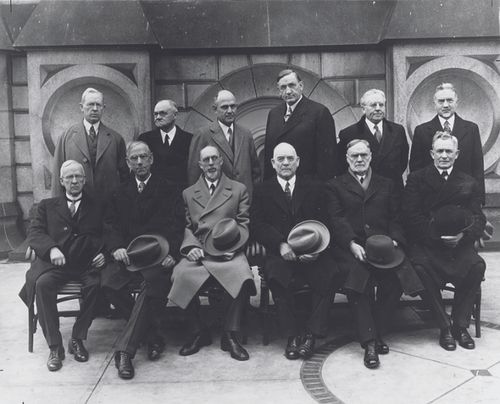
458,129
201,194
277,194
62,209
373,187
299,193
237,141
81,141
221,141
296,116
103,141
386,142
352,185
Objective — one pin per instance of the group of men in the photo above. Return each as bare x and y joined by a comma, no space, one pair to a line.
174,212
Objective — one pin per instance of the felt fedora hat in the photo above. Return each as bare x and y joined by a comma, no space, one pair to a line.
225,237
382,253
449,220
308,237
147,251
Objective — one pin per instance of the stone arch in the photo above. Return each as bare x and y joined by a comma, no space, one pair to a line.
255,90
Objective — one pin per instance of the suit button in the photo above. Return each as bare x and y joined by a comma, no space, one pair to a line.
367,226
75,235
65,228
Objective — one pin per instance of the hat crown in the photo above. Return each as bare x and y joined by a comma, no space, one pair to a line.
304,240
143,251
225,234
449,220
380,249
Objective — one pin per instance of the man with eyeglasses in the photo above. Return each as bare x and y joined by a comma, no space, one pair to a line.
306,124
217,210
387,139
66,235
235,143
169,144
280,203
146,205
361,205
99,149
470,160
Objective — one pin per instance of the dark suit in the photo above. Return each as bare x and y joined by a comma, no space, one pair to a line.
110,167
272,218
389,157
470,160
157,210
436,263
355,215
241,165
170,161
51,227
311,131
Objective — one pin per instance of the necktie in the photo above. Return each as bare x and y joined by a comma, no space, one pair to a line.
92,134
230,138
377,133
444,175
72,205
288,192
446,126
212,189
92,144
361,179
140,186
288,113
167,139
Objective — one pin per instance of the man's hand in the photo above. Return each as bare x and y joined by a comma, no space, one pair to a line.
452,241
57,257
358,251
286,252
195,254
168,262
308,257
98,261
121,255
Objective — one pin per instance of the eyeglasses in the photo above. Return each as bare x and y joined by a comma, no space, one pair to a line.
77,177
160,113
225,107
136,157
209,159
355,156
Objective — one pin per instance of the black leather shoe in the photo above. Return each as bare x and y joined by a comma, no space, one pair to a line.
306,349
229,343
371,356
76,348
56,357
154,350
446,340
123,363
463,337
381,346
195,343
292,348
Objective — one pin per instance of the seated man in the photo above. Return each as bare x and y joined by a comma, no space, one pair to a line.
442,211
214,241
66,235
146,205
363,209
281,203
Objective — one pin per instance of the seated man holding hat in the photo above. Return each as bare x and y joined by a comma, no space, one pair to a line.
213,249
442,211
363,209
145,226
287,217
66,235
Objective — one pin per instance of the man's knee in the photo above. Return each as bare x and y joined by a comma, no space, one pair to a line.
45,283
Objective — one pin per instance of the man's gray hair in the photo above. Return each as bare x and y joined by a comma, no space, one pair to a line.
88,91
136,143
354,142
446,86
172,104
211,146
439,135
373,91
69,163
286,72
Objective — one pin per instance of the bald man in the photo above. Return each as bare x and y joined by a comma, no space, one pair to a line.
240,162
168,143
66,234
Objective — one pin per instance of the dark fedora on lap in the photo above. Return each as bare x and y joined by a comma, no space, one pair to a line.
382,253
147,251
450,220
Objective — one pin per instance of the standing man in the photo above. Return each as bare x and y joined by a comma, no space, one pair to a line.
217,214
442,212
305,124
147,206
169,144
279,205
99,149
364,210
66,235
470,160
387,140
234,142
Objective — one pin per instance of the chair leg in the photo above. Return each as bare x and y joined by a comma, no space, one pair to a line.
477,313
264,311
31,326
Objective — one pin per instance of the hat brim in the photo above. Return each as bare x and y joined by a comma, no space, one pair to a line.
215,252
320,228
435,234
164,250
399,257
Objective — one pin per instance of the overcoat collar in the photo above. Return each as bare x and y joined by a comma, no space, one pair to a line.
443,190
61,207
296,116
353,186
387,137
208,202
279,197
103,141
221,141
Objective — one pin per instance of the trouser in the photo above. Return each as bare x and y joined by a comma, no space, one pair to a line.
463,300
233,314
372,315
286,307
46,288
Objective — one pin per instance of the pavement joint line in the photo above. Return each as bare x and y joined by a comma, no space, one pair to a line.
449,391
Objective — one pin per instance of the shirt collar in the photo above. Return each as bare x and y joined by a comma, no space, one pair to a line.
145,181
371,125
87,125
451,121
170,134
216,182
74,198
366,175
283,182
293,106
225,128
448,170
